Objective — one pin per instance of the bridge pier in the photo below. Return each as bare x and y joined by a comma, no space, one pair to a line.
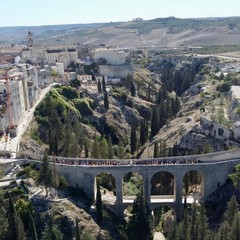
119,196
178,189
147,187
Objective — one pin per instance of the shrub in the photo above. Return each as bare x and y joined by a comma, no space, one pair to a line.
83,105
69,92
63,183
119,93
225,87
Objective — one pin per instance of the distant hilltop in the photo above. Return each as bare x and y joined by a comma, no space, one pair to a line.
159,32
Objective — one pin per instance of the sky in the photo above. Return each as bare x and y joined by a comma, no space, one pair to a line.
50,12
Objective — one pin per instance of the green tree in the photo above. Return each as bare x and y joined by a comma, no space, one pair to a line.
204,233
46,174
139,225
193,227
133,140
183,230
32,233
4,223
55,175
71,146
154,122
23,208
1,173
232,208
54,126
86,148
235,229
235,177
132,89
103,145
16,228
99,87
110,148
78,231
51,230
95,149
106,101
143,132
99,206
156,150
86,235
163,149
103,84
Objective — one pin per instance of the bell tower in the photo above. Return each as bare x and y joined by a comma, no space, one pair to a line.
30,39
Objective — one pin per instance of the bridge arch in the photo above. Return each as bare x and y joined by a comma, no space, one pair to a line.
193,185
107,182
132,184
162,183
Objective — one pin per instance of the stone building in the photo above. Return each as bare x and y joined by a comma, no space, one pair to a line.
63,55
112,55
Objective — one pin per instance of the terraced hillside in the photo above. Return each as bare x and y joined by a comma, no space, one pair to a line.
161,32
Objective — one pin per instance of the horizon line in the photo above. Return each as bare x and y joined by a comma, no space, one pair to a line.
120,21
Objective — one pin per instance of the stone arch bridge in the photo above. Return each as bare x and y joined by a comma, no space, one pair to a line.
214,169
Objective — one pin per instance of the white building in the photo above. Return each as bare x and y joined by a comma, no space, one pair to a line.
44,78
17,101
84,78
31,78
113,80
112,55
64,55
26,54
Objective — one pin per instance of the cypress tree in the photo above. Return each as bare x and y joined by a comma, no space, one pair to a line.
235,177
86,150
99,205
235,230
139,225
232,208
103,145
110,148
143,132
154,122
203,228
132,89
133,140
193,234
95,149
99,87
16,228
46,174
156,150
78,232
103,84
32,233
51,231
186,225
4,223
149,93
106,101
55,175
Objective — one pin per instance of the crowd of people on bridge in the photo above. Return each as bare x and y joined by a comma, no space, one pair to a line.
123,162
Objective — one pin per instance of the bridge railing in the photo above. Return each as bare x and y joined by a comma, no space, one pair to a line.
190,159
